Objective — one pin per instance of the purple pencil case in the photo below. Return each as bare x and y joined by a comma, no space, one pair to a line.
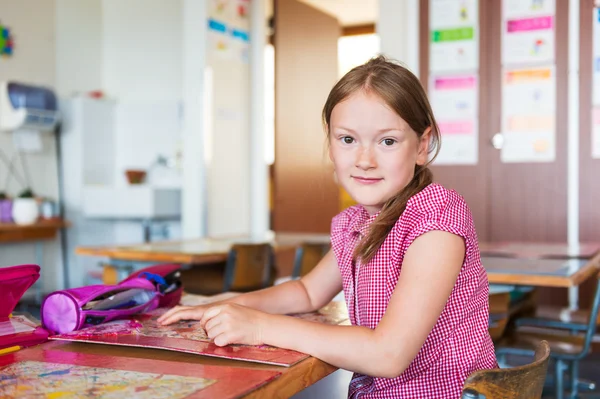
76,308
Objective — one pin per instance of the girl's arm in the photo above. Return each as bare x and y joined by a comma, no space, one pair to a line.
310,293
426,281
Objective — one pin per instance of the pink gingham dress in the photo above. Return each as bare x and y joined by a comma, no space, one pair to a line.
459,343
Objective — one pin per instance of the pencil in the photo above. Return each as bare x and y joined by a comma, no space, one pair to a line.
10,349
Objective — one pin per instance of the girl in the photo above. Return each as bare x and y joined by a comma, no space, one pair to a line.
406,257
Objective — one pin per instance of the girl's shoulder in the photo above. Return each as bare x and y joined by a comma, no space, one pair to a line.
438,206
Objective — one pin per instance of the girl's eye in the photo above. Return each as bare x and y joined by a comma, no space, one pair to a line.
347,140
388,142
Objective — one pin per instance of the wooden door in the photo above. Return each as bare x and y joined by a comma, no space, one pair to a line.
589,182
528,201
509,201
471,181
305,195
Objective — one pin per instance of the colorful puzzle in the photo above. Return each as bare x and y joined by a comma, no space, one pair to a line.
45,373
187,336
52,380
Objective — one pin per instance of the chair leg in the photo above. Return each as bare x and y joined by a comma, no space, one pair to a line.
560,389
574,379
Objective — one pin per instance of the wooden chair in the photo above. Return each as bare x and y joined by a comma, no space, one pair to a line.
524,382
249,267
308,255
499,314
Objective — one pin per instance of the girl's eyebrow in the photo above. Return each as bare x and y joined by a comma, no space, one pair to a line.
385,130
344,128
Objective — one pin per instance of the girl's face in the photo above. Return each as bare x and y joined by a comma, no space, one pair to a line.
374,151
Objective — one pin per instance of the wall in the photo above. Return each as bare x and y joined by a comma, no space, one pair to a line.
33,62
78,46
398,30
142,70
142,50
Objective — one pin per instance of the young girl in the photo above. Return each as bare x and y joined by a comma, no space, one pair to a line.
406,257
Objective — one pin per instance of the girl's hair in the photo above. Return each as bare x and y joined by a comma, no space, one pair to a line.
402,92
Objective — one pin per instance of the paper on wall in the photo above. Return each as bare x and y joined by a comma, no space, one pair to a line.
454,32
528,115
454,102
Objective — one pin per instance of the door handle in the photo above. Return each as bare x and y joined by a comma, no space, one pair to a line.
497,141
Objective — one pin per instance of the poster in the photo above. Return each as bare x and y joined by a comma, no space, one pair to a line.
454,35
228,29
528,31
528,115
219,40
596,133
454,100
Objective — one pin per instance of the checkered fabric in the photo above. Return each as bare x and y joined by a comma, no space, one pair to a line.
459,343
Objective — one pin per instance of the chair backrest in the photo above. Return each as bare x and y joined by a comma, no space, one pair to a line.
249,267
523,382
499,314
308,255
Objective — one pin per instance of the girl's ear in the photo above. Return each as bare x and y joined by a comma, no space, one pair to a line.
328,135
423,150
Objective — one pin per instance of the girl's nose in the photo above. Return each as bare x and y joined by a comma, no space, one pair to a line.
366,158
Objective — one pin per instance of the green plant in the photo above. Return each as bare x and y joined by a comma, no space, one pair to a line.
27,193
3,196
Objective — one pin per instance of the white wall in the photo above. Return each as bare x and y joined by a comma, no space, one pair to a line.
398,30
228,137
33,62
142,50
78,46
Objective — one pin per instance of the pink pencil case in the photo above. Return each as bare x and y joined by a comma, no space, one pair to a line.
17,331
72,309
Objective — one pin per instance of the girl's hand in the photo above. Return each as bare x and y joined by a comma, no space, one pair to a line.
182,313
234,324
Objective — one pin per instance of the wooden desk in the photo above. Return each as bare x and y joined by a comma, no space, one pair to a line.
292,380
197,251
539,250
540,272
42,230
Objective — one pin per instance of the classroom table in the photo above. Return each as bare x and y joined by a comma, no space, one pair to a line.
200,250
292,380
539,250
540,272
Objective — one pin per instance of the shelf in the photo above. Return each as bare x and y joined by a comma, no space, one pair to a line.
42,230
